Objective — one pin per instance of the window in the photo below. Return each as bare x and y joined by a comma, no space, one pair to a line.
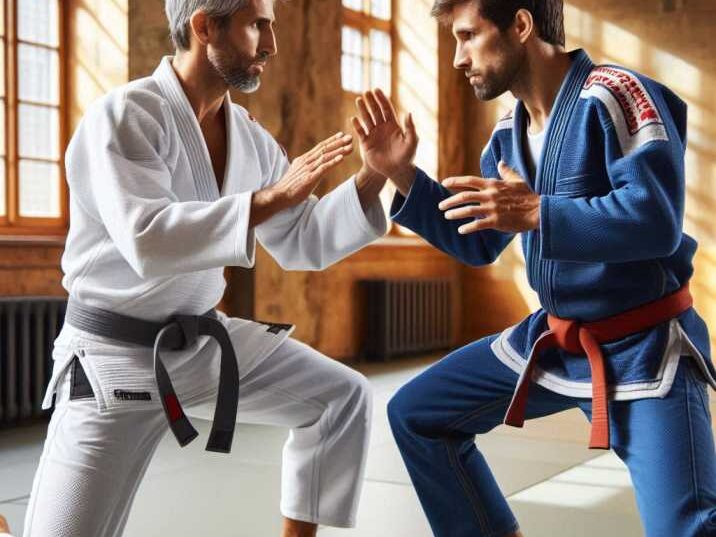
367,58
32,127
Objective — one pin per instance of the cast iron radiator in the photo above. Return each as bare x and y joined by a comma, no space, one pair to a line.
28,328
406,317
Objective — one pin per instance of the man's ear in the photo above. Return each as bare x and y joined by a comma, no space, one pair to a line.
524,25
199,24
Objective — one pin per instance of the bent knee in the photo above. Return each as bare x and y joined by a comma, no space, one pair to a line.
404,406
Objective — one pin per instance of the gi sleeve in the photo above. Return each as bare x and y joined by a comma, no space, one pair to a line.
119,154
642,217
319,232
419,212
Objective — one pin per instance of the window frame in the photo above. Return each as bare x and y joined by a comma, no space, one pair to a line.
13,225
364,23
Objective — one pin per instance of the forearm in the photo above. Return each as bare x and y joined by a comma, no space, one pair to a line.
369,185
319,233
265,204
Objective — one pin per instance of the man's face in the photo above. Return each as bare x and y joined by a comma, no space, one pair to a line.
491,59
242,48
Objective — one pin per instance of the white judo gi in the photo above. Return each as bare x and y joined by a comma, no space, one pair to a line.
149,237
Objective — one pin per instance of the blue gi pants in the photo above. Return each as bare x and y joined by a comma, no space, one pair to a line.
667,444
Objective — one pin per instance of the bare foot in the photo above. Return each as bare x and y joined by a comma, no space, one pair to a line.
296,528
4,528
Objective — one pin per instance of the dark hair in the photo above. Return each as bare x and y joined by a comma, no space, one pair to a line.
548,14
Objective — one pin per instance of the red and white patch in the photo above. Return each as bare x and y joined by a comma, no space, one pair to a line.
507,122
633,112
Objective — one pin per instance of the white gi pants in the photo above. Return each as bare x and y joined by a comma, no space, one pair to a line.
96,455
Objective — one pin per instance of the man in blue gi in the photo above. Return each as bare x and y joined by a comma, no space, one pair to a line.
589,169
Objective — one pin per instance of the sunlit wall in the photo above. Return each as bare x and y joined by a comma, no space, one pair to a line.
673,48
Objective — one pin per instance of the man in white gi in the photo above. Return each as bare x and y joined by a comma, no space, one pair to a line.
170,182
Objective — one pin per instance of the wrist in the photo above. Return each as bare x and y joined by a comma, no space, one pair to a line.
368,175
403,178
266,203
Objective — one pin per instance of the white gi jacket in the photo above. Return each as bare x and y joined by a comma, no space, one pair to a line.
150,233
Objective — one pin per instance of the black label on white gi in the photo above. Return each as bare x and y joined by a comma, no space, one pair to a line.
132,396
276,328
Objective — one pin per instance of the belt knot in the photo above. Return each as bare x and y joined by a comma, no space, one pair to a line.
567,334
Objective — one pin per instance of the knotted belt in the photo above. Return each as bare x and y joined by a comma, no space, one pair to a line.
178,333
585,338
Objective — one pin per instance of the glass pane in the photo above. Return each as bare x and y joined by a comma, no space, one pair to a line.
2,18
380,9
356,5
38,21
39,190
38,73
39,132
352,73
380,76
352,41
380,46
3,207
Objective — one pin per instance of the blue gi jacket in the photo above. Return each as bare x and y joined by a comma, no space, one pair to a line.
612,183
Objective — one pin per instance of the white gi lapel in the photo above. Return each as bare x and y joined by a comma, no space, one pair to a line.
189,131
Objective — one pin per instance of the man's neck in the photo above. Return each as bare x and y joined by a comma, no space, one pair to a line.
546,68
201,84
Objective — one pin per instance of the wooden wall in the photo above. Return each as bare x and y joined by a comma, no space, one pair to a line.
671,42
301,103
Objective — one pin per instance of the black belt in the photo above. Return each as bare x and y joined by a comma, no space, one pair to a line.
177,333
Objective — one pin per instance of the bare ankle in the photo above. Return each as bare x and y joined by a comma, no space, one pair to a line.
297,528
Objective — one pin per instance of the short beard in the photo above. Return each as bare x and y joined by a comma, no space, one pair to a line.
503,81
234,70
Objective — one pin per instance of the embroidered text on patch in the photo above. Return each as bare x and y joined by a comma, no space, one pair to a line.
636,118
639,110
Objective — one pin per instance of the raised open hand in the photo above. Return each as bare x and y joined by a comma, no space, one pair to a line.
386,146
307,171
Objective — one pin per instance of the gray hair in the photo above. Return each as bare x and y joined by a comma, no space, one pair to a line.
180,11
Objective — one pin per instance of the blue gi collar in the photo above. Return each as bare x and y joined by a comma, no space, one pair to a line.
564,104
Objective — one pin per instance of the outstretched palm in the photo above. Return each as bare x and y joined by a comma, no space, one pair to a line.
386,146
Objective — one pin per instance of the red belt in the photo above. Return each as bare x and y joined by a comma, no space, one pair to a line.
585,338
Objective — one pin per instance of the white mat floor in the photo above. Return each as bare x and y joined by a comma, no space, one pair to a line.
555,485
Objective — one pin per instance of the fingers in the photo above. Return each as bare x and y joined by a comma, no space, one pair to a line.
374,108
478,225
473,211
340,142
411,132
358,127
468,196
317,174
468,182
368,121
386,106
507,173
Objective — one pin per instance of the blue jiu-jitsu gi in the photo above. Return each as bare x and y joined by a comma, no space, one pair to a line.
611,179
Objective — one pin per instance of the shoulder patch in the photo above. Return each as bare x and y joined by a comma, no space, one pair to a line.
635,116
507,122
